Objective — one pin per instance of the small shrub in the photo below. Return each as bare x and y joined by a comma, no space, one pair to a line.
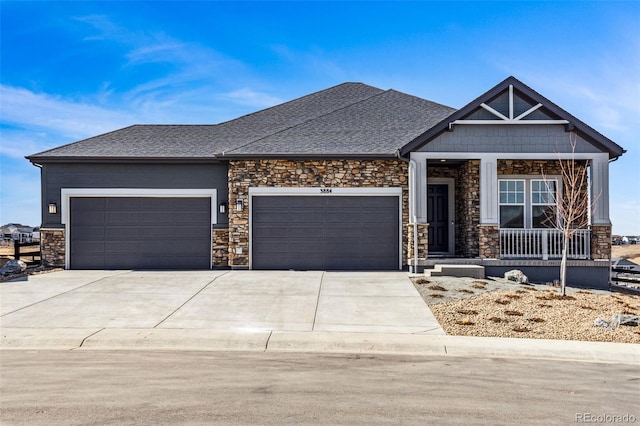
465,321
591,308
502,302
535,320
436,296
544,305
584,292
465,291
422,281
520,291
479,286
521,329
482,283
530,288
497,320
513,313
437,288
513,296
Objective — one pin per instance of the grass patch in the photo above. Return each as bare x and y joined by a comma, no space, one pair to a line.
437,288
467,312
513,313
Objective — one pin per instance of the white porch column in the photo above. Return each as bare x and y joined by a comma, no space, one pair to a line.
420,187
600,190
489,190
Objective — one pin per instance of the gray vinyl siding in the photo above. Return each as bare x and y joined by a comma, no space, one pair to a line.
56,176
519,138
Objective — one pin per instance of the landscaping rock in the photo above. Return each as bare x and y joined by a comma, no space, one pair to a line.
13,267
517,276
599,322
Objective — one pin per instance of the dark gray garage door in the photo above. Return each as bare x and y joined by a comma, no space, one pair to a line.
325,232
140,233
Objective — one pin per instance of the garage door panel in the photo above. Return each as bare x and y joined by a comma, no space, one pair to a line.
140,232
325,232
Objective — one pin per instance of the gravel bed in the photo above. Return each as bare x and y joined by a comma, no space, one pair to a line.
495,307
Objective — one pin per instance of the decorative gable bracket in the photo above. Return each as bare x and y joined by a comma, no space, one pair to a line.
511,119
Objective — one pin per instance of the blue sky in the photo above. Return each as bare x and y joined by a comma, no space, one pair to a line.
70,70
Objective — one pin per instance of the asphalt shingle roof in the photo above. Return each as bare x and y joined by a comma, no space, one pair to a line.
348,119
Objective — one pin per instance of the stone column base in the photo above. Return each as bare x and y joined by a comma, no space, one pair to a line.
600,242
423,241
52,247
220,247
489,241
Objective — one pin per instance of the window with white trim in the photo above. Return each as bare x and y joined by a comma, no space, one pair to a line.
528,202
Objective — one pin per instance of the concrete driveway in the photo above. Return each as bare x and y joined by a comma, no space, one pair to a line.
371,302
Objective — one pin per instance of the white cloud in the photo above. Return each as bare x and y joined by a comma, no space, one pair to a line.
26,109
247,96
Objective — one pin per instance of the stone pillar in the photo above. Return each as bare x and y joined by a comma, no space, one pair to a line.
52,247
238,230
489,241
423,241
220,247
600,242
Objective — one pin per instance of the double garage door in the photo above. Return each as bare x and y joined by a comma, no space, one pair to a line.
325,232
140,233
287,232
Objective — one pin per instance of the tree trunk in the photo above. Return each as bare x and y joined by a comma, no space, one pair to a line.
563,264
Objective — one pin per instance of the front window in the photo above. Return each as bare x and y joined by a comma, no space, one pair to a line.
543,203
527,202
511,203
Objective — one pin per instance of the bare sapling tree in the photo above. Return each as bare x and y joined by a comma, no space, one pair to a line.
573,204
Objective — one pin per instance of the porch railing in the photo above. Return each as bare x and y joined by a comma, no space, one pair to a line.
543,244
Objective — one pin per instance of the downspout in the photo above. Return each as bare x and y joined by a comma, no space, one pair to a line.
412,209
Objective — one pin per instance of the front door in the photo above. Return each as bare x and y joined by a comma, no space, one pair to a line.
438,217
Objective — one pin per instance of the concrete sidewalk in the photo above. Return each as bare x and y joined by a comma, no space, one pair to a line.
273,311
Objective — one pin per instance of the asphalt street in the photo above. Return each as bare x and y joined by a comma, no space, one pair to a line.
183,387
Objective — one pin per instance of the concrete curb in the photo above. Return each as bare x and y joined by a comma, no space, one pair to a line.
315,342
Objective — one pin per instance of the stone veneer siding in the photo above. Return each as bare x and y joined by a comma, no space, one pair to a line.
489,241
52,247
244,174
423,241
601,241
220,247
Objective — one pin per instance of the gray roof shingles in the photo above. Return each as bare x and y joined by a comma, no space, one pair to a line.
348,119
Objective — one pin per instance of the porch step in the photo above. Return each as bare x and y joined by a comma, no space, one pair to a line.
473,271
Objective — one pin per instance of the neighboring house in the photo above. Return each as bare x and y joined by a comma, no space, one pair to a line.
626,264
18,232
351,177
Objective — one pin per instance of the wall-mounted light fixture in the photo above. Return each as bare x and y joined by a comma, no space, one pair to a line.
239,205
53,208
222,208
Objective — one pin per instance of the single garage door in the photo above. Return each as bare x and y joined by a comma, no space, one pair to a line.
140,233
325,232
